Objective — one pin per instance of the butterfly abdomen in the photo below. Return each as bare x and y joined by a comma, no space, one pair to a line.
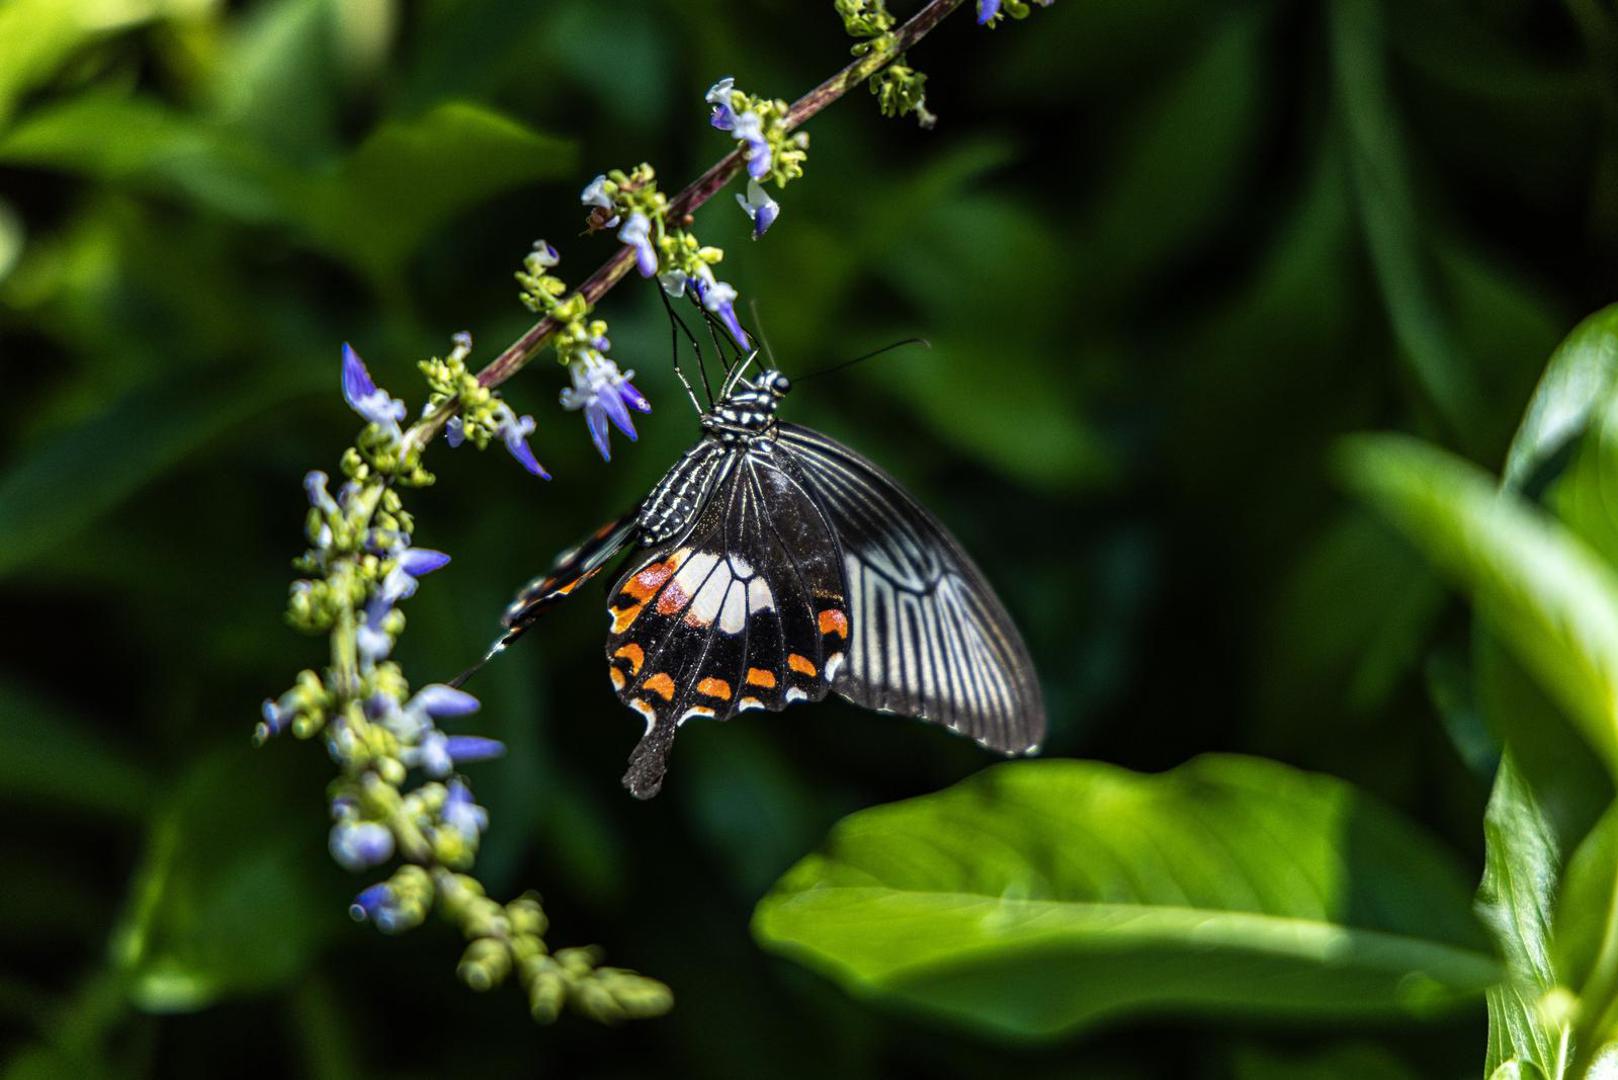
674,503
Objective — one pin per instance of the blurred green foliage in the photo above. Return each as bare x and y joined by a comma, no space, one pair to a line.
1167,253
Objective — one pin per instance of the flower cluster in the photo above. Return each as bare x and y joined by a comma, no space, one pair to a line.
899,88
759,126
674,256
362,564
602,392
483,415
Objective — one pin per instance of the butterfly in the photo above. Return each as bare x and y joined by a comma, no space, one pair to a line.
773,565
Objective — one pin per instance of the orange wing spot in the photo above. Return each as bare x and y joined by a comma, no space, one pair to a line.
833,621
644,584
617,678
634,654
622,619
757,676
801,664
672,600
717,688
661,685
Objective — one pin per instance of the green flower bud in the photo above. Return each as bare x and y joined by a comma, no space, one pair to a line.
484,964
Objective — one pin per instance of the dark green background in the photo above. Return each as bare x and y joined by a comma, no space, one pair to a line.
1165,251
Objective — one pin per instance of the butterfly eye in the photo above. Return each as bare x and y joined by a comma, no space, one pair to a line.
780,384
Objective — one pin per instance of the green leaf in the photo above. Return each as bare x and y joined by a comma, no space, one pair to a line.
277,80
1185,154
1586,936
150,147
1547,595
1585,496
1040,897
1384,193
38,36
225,898
52,760
1580,374
409,178
77,475
1521,865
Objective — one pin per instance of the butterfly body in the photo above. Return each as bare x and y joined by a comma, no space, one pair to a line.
777,566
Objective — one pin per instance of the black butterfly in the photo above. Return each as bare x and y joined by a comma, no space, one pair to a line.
778,564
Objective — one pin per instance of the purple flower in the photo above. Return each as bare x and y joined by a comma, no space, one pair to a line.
469,749
749,131
419,562
595,194
719,298
461,813
371,902
438,754
358,845
637,233
514,431
277,715
365,398
762,209
723,118
987,9
605,394
438,699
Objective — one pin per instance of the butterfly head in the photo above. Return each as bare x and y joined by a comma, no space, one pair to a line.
775,382
749,409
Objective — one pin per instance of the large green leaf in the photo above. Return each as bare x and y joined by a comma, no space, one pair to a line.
1549,597
1039,897
1523,860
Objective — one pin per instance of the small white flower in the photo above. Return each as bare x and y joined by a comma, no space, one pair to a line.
719,93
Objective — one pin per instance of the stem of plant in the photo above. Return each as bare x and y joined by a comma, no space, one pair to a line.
516,355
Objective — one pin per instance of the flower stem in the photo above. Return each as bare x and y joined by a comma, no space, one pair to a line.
516,355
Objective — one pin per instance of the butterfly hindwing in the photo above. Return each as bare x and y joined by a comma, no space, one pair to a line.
929,637
728,616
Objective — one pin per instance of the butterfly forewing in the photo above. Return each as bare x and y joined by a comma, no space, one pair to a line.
571,569
930,638
743,610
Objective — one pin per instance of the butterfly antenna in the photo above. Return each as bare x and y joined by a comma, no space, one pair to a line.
858,359
769,353
676,325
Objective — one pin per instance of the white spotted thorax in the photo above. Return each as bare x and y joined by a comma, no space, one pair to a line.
743,419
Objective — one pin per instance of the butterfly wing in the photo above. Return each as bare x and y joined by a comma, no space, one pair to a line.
572,568
930,638
743,611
